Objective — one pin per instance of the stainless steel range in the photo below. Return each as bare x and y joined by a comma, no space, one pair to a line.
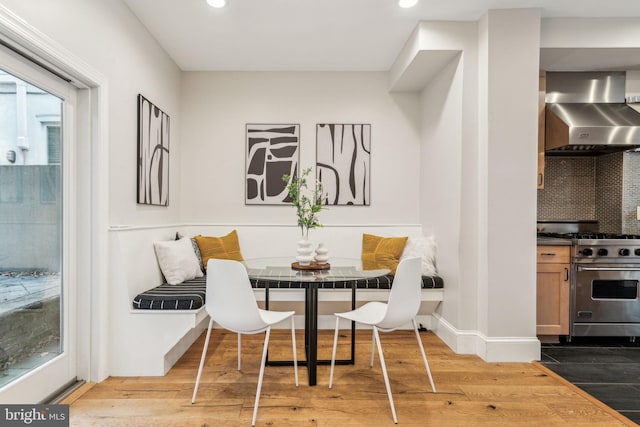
605,279
606,274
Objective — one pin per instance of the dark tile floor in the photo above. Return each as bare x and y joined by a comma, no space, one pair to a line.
606,368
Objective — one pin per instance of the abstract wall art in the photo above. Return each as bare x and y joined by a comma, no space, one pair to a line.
343,154
272,151
153,154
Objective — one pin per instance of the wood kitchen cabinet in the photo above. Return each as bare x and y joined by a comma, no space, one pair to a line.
542,89
553,292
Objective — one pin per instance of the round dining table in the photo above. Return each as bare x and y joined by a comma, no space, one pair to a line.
279,273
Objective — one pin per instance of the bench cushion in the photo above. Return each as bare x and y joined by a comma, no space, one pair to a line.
187,295
383,282
190,295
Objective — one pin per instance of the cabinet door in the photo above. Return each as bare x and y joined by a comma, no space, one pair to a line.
542,88
552,312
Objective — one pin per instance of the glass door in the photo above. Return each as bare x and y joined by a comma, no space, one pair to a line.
37,315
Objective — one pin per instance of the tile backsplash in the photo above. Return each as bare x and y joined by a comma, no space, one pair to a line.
569,188
609,175
631,193
603,188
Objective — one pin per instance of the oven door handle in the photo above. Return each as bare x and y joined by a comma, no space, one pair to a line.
582,268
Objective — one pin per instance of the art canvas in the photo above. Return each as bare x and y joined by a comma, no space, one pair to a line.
272,151
343,154
153,154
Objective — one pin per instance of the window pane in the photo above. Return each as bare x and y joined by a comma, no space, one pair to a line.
53,145
30,227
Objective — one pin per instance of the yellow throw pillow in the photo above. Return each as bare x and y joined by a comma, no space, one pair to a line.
225,247
381,252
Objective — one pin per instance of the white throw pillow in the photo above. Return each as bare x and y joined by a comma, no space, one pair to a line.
424,247
177,260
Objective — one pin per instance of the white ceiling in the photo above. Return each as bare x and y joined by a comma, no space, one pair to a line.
322,35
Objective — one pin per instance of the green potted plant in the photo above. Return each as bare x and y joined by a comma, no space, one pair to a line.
307,200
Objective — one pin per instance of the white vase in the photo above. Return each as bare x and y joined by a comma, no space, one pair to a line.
322,254
305,252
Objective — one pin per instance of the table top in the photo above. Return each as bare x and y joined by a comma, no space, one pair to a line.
280,269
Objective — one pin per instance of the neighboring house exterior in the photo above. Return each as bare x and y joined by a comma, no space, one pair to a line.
30,158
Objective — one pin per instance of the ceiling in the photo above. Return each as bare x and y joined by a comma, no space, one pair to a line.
321,35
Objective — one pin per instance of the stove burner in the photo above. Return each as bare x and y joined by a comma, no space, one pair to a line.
590,236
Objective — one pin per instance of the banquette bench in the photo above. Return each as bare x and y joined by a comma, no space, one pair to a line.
190,295
162,322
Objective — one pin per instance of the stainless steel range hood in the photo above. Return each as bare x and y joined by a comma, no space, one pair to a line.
586,114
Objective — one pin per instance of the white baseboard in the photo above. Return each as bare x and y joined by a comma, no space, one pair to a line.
490,349
328,321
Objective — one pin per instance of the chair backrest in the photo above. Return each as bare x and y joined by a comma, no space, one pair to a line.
230,299
405,294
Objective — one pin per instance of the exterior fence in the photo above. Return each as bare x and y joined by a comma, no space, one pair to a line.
30,218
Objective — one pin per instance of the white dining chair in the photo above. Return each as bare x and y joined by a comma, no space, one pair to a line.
402,307
232,304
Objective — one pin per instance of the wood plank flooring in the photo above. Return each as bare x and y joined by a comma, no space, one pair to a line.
470,392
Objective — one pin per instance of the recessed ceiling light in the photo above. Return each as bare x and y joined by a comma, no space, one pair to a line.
407,3
220,3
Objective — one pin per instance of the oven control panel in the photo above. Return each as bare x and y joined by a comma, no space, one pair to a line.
608,251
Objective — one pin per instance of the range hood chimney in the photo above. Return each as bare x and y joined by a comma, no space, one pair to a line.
586,114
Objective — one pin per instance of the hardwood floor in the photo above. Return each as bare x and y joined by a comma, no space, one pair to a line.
470,392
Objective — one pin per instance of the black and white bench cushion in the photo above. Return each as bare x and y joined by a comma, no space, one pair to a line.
382,282
190,295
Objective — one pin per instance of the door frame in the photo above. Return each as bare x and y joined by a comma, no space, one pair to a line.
44,379
92,207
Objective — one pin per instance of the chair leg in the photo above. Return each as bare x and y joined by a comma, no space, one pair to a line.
239,350
333,352
204,355
373,344
384,373
424,356
295,353
262,363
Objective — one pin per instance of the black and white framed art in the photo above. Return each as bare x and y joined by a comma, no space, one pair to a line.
343,154
272,150
153,154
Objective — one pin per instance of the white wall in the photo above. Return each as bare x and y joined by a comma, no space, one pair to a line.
449,159
487,139
478,169
590,33
512,52
217,105
107,36
126,60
